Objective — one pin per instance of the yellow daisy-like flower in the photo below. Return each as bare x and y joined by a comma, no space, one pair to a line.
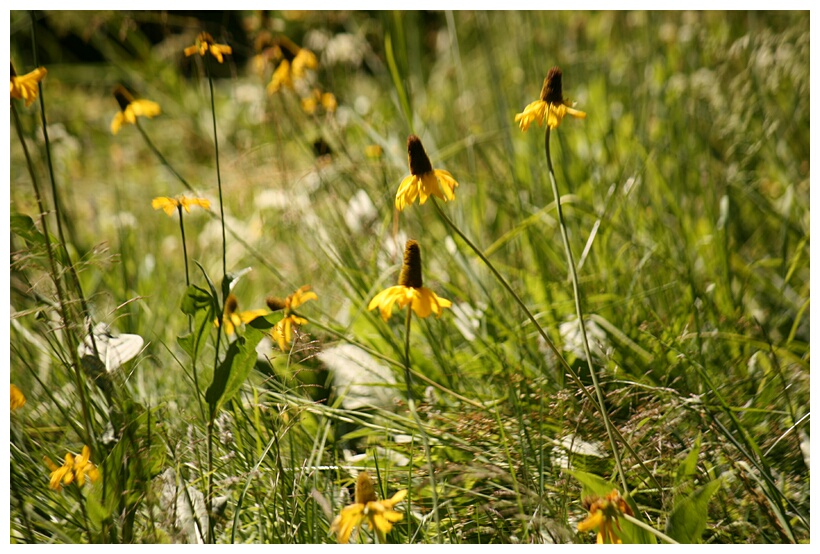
204,44
304,60
170,205
327,100
603,515
280,78
410,291
551,108
131,109
282,332
24,87
232,318
378,515
73,469
84,468
18,399
423,181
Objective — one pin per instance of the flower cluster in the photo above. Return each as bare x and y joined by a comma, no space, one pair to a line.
73,469
603,515
378,515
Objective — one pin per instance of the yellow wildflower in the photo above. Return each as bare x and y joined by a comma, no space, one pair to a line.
282,332
367,508
551,108
24,87
233,318
170,205
292,67
603,515
204,44
131,109
72,469
281,78
422,300
18,399
423,181
304,60
327,100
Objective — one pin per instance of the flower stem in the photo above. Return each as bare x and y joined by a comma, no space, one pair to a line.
412,405
55,276
579,312
184,247
218,174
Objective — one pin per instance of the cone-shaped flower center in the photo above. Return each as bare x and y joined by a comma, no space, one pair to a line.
552,92
13,73
411,268
364,489
123,97
419,162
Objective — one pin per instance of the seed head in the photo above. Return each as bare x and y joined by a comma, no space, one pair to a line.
419,162
411,268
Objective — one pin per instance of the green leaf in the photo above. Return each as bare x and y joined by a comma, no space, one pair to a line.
199,304
237,365
688,520
689,465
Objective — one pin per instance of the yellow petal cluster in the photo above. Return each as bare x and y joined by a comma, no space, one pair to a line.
282,332
73,469
603,516
378,515
422,300
18,399
205,44
170,205
24,87
232,318
540,112
131,109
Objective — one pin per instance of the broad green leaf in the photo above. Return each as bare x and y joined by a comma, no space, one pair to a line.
198,303
689,465
688,520
237,365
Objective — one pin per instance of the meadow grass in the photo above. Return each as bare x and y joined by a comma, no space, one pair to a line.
683,197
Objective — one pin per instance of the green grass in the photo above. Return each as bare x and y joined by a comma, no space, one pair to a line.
685,194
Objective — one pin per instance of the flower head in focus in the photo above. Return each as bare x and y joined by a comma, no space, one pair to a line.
233,318
410,291
282,332
18,399
24,87
205,44
551,107
378,515
131,109
603,515
170,205
423,181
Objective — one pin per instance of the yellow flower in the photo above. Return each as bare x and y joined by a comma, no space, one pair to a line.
281,78
603,515
373,151
379,516
551,108
410,291
18,399
83,467
170,205
423,181
327,101
304,59
131,109
282,332
233,319
72,469
25,86
204,44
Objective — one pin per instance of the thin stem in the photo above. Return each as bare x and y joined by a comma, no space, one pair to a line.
184,246
72,346
542,333
638,523
218,175
579,312
412,405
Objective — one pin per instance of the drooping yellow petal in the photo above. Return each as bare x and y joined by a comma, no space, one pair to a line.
24,87
18,399
280,78
169,205
408,191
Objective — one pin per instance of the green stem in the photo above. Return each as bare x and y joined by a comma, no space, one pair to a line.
184,246
576,292
412,405
218,174
638,523
55,275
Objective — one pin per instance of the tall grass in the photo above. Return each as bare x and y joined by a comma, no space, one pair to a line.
685,203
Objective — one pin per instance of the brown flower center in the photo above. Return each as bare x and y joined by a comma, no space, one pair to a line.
419,162
123,97
411,268
552,92
364,489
